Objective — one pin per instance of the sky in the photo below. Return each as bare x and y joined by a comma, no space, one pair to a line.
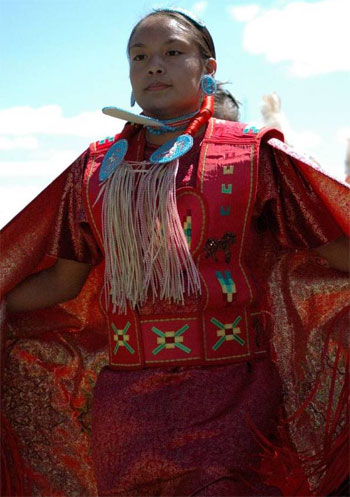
62,61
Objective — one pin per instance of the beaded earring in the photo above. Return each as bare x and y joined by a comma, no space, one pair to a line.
208,84
132,99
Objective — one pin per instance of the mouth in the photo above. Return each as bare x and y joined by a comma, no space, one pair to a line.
157,87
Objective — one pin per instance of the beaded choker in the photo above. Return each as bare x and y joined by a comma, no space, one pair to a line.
171,125
169,151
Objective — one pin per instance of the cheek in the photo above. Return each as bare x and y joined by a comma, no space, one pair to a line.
134,72
133,78
194,70
131,72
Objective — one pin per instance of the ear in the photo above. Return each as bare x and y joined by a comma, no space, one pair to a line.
210,66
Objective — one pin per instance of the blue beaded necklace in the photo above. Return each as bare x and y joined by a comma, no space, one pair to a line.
169,151
170,125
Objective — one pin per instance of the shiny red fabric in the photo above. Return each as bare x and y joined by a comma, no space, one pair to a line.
172,432
52,358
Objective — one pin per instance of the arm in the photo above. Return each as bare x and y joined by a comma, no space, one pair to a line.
59,283
336,253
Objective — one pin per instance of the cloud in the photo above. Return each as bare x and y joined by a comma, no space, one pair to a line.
313,38
305,141
52,166
343,134
200,7
27,143
22,181
49,120
20,128
273,116
244,13
343,138
14,199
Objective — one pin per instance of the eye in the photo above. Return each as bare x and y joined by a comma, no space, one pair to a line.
138,57
174,52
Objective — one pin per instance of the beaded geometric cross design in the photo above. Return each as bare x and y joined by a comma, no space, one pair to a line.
170,340
227,332
121,339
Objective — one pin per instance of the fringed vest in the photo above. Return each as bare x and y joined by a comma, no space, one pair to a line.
223,325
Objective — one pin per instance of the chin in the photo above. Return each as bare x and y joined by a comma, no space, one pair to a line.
160,112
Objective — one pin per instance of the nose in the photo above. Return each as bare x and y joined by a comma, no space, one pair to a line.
156,66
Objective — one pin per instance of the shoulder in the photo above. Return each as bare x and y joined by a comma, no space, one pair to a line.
103,145
242,131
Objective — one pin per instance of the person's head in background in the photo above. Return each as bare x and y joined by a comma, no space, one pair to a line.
226,106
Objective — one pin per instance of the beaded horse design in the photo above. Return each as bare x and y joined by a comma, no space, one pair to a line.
214,245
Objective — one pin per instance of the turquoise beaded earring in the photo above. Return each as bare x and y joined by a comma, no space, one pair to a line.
208,85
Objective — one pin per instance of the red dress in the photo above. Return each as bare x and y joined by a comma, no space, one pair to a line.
166,432
183,430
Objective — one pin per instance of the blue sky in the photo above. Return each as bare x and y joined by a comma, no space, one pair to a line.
63,60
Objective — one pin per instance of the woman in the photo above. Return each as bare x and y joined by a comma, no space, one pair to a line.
190,391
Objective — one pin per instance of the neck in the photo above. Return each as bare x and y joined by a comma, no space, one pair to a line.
166,115
173,126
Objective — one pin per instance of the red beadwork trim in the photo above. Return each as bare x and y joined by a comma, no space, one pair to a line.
205,113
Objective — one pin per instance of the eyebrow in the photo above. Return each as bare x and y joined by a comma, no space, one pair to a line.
170,41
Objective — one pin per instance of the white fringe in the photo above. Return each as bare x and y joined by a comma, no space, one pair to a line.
146,252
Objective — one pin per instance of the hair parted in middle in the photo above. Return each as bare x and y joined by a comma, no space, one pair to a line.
200,33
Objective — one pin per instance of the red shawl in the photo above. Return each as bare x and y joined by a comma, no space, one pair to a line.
51,358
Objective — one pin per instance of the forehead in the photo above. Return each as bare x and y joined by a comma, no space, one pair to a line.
160,28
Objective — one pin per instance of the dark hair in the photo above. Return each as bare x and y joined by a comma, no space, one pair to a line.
201,35
226,106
